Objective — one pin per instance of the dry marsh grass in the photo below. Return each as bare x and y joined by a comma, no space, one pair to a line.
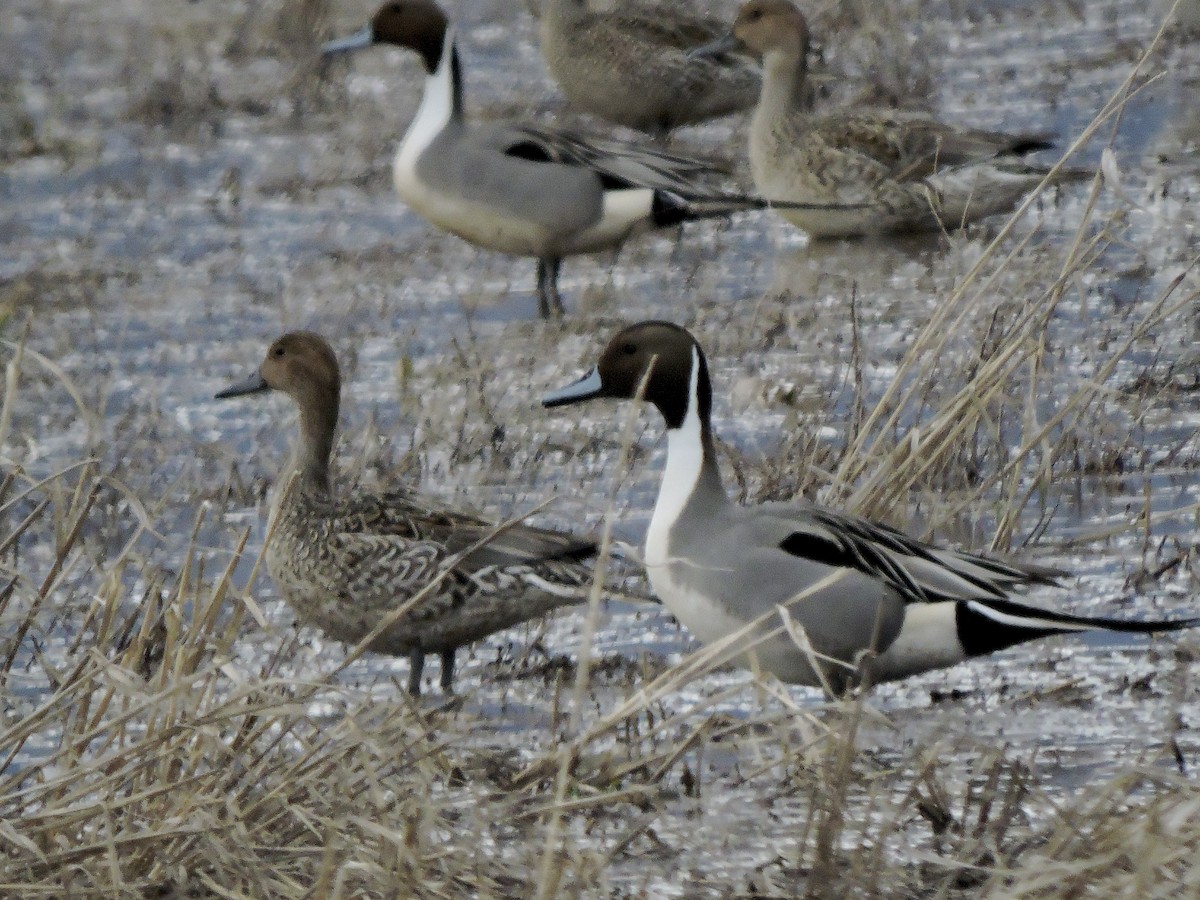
147,754
167,769
159,764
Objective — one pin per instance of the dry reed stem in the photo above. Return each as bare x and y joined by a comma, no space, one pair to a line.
696,664
547,882
877,490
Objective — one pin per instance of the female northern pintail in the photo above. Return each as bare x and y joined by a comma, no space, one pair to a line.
630,65
518,189
907,172
345,563
853,585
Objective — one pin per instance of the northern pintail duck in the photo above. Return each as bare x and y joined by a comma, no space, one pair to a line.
854,586
344,563
630,65
907,172
523,190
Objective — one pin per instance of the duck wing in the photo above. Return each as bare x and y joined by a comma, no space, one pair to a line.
516,545
618,163
405,518
684,33
917,571
911,148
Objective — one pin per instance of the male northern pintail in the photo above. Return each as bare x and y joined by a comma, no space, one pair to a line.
345,563
630,64
523,190
907,172
853,585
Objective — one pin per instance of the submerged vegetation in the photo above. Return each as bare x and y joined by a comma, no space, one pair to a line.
1026,388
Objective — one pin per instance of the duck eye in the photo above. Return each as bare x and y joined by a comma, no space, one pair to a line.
277,352
629,349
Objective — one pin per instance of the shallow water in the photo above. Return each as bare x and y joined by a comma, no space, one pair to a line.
205,186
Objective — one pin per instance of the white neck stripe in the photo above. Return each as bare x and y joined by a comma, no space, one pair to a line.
436,109
685,459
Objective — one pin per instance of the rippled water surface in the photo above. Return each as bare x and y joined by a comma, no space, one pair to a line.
192,180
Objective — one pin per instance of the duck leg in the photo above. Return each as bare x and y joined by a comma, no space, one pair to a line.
447,680
550,303
416,664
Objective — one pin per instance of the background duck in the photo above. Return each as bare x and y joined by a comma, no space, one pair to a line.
630,64
346,563
906,172
519,189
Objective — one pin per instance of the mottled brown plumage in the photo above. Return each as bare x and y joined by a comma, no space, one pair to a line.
346,563
630,65
875,171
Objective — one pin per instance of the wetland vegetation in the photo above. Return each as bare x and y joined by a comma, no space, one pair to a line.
181,182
